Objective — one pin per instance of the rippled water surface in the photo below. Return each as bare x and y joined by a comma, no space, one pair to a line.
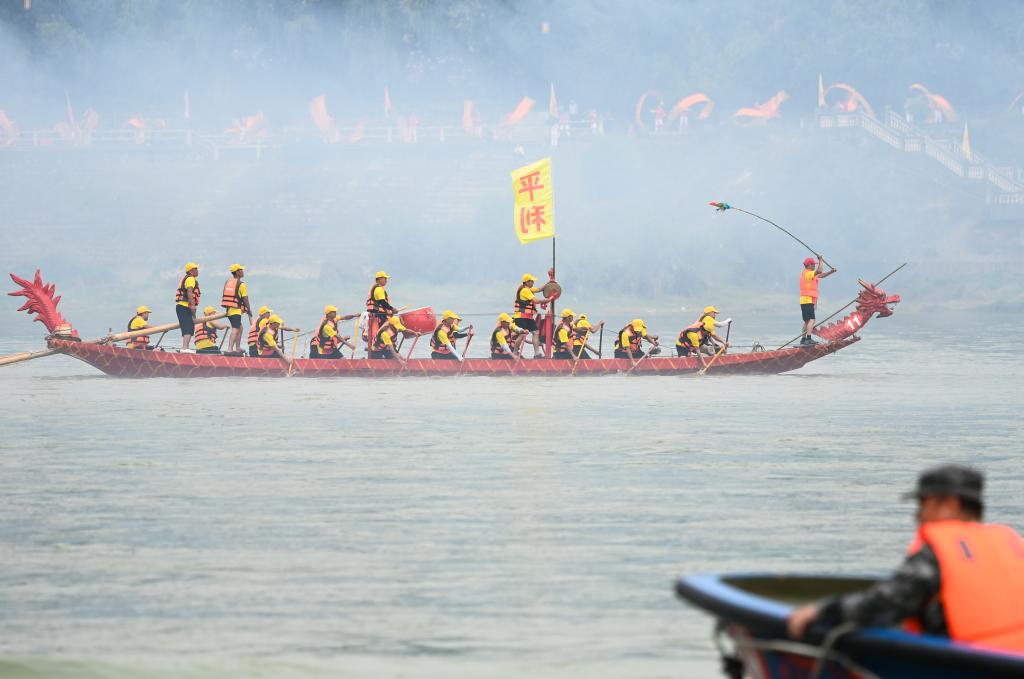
467,526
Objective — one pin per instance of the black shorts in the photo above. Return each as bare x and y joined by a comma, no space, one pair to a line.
185,320
235,321
208,350
622,354
526,323
562,355
502,357
380,354
808,311
253,351
443,357
314,353
682,351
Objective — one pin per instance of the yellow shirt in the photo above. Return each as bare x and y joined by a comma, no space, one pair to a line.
138,323
268,339
808,274
190,283
329,330
525,295
442,336
205,344
583,327
709,324
379,293
502,339
243,291
385,337
563,334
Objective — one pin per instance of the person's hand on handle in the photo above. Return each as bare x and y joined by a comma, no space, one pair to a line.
799,619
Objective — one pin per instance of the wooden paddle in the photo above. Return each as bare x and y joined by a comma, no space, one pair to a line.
295,347
583,347
355,337
641,359
704,370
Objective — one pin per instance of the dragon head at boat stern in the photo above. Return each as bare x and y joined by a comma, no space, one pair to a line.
872,300
41,301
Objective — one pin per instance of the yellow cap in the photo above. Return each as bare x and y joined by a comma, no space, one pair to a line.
275,319
381,274
397,322
448,313
190,266
529,277
329,308
638,324
264,310
143,310
710,310
567,313
583,317
236,267
209,310
504,318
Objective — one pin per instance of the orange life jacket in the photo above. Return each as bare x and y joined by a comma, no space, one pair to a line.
264,347
254,330
230,299
378,306
496,347
182,294
378,341
435,342
204,331
140,342
634,339
524,308
558,344
809,286
697,327
321,342
982,591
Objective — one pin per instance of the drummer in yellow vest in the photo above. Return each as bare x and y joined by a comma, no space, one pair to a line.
384,344
235,299
140,321
206,333
582,332
809,278
525,314
263,313
186,301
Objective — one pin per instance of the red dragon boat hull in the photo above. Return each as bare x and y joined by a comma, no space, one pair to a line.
123,362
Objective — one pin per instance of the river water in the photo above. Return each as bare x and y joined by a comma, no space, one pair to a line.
468,526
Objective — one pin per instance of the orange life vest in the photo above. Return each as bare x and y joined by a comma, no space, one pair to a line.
182,294
204,331
697,327
230,299
321,342
140,342
982,589
558,344
378,306
524,308
634,339
435,342
809,286
254,330
496,346
378,341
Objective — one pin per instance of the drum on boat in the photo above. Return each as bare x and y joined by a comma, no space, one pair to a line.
420,320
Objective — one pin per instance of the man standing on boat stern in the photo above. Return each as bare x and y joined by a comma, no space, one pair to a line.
235,299
962,578
809,278
186,301
525,310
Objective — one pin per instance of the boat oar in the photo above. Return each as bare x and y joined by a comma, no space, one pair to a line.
583,347
722,207
641,359
405,365
728,327
295,347
355,337
25,356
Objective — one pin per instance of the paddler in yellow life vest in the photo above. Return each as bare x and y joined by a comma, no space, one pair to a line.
235,299
186,301
503,339
525,314
206,333
629,340
561,340
699,337
442,346
809,278
267,342
140,321
327,341
582,332
385,343
258,323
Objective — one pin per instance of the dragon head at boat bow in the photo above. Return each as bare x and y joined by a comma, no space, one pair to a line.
41,301
872,300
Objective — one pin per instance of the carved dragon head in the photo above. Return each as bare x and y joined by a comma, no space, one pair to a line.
41,301
871,300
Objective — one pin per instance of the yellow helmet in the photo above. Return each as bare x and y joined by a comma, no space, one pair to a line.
143,310
381,274
329,308
190,266
567,313
397,322
236,267
710,310
638,324
264,310
274,318
209,310
529,277
448,313
504,318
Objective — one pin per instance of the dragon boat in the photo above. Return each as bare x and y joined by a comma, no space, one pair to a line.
105,355
750,633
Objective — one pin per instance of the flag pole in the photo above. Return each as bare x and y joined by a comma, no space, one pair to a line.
551,313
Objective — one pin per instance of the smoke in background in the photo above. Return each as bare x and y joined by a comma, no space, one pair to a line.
313,221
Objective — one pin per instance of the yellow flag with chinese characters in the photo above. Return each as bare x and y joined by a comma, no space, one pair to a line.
534,202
